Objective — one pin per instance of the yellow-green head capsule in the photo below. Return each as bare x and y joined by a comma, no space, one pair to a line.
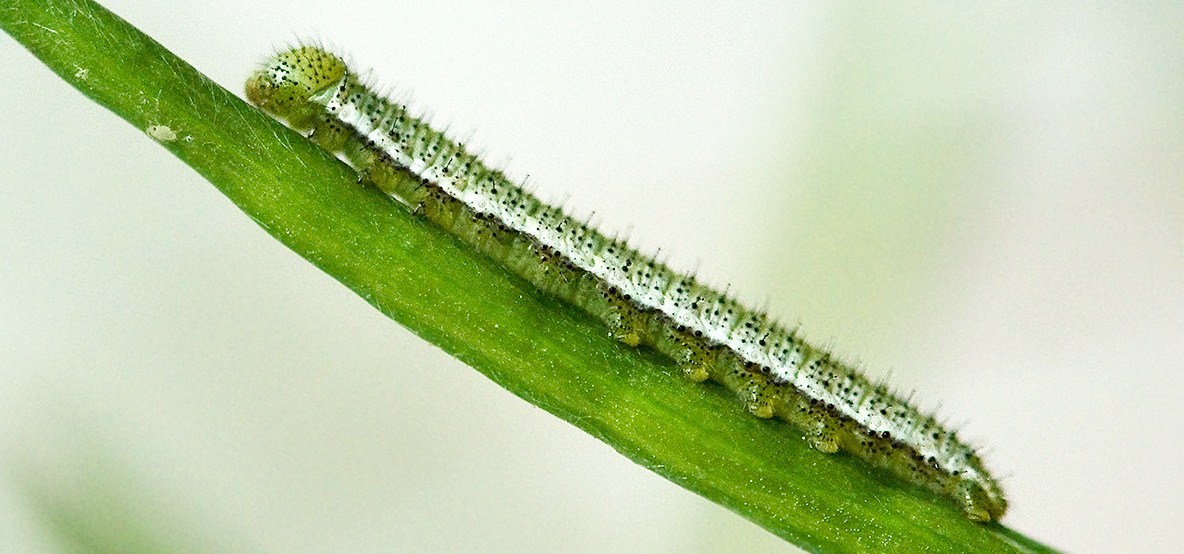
286,84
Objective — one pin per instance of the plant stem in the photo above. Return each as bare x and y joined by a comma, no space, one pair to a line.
536,347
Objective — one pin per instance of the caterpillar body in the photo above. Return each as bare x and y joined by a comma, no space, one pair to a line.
641,302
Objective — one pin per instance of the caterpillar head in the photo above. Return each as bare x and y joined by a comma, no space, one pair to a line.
287,81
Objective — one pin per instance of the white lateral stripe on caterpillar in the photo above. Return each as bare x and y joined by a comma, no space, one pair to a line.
650,291
774,372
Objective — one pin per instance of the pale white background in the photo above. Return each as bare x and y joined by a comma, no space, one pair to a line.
986,202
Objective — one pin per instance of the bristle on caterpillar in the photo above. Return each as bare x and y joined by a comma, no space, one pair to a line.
710,335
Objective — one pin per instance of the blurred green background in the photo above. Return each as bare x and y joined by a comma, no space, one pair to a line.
987,202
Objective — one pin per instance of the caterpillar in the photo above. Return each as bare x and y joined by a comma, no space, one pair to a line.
708,334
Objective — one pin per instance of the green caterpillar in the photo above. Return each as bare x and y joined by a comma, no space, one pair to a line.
641,302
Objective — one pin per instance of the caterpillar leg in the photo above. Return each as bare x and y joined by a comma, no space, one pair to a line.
558,276
693,354
822,428
977,503
758,396
824,440
625,322
329,134
755,389
379,171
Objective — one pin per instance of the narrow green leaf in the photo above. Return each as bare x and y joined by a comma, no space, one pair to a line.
541,350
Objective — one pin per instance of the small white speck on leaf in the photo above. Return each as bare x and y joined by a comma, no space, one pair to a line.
82,73
161,133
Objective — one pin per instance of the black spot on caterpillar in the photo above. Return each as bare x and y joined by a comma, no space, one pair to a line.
641,301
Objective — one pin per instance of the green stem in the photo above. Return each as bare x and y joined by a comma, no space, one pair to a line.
540,349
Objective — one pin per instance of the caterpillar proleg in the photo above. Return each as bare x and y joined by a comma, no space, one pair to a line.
709,334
